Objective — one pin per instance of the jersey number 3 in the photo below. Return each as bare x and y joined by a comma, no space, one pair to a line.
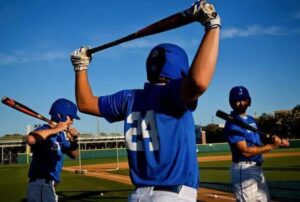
143,132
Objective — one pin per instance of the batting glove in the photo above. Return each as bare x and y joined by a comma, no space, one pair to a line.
284,142
206,14
80,59
276,141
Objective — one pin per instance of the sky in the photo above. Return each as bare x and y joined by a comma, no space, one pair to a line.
259,48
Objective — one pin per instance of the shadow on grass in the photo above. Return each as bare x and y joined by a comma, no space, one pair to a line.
89,196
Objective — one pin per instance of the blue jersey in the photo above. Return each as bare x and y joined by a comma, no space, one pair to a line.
236,134
159,131
47,159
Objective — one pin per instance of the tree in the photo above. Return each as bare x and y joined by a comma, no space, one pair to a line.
266,123
214,133
295,128
13,137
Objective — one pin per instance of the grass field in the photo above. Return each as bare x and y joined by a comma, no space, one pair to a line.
73,187
282,174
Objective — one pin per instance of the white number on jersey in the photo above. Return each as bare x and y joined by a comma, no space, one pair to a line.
142,129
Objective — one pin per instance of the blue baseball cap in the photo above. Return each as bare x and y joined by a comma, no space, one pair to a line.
167,60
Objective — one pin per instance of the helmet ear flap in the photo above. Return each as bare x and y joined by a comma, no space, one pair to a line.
155,63
57,117
63,117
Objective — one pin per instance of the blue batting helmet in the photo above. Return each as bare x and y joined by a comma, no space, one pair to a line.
167,60
239,93
62,108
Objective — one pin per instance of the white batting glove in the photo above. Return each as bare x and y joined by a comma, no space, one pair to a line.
206,14
72,134
80,59
276,141
284,142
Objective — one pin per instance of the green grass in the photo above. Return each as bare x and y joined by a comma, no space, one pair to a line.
282,174
94,161
282,168
74,187
276,168
13,182
214,171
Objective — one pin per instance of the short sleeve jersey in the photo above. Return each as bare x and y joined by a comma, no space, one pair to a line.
159,132
236,134
47,159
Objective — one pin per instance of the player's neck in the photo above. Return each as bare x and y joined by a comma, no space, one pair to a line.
241,113
244,115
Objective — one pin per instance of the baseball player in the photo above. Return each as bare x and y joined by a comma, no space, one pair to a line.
158,123
248,180
48,144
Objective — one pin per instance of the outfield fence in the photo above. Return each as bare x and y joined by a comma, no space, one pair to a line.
111,153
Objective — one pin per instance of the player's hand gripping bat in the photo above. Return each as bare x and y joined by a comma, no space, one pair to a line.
24,109
171,22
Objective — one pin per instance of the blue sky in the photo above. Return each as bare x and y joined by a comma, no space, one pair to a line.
259,48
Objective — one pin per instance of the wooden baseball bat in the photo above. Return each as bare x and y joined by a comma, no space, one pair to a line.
171,22
24,109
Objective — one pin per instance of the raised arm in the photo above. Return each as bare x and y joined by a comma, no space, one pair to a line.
36,137
203,65
202,68
85,99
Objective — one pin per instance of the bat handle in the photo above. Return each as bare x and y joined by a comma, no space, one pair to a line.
53,123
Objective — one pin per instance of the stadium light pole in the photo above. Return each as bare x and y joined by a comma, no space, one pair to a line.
98,133
28,129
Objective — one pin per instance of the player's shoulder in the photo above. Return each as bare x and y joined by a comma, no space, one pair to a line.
126,93
42,127
250,118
